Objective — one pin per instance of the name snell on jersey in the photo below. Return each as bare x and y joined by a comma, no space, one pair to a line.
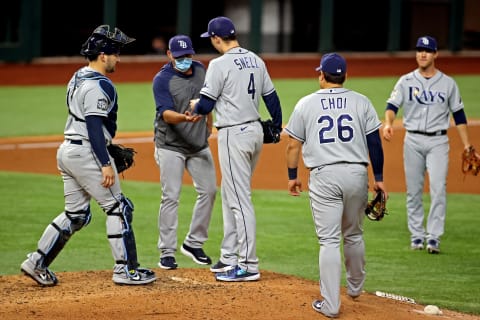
246,63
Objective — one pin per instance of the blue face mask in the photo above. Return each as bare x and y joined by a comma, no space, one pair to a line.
183,64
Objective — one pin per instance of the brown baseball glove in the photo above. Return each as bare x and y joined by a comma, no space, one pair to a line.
470,161
377,207
122,155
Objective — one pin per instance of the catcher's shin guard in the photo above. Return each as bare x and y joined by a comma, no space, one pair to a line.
59,232
120,233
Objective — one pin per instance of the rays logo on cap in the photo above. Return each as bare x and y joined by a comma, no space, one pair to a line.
425,41
182,44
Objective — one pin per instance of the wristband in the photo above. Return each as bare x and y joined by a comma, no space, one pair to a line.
292,173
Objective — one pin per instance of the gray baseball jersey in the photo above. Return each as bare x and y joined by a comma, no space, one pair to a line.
237,80
427,104
89,93
329,120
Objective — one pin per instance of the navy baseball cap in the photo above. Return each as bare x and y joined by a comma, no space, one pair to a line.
333,63
427,42
219,26
180,45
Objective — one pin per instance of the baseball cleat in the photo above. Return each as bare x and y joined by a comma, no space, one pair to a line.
317,305
433,246
44,277
416,244
197,254
168,263
134,277
221,267
237,274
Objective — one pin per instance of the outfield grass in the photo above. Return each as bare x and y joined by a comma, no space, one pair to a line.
41,110
286,239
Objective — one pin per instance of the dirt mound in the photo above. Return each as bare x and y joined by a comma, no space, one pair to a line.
188,294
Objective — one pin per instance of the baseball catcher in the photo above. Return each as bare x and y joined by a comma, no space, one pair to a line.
123,156
377,207
470,161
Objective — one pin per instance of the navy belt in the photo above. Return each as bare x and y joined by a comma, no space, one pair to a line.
430,134
78,142
233,125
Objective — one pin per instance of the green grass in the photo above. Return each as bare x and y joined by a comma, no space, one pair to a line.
286,241
41,110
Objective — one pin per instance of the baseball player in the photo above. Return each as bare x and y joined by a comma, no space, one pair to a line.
336,129
181,142
234,84
428,96
88,171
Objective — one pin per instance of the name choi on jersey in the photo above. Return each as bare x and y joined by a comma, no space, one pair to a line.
426,97
246,63
334,103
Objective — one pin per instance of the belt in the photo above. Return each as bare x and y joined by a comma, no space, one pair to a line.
78,142
233,125
430,134
340,162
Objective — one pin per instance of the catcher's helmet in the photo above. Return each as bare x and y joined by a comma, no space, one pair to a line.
102,40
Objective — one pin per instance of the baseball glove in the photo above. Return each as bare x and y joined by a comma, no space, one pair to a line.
377,207
470,161
271,134
123,156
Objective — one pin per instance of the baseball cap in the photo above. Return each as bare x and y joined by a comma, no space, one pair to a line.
180,45
219,26
427,42
333,63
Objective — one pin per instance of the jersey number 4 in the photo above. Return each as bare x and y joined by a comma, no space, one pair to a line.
340,125
251,86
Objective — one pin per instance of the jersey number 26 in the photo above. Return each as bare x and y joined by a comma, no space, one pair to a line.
327,132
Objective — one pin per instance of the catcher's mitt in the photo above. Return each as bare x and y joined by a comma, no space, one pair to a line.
470,161
377,207
122,155
271,134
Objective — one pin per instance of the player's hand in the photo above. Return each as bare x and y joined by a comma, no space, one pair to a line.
295,187
108,177
378,185
189,117
388,132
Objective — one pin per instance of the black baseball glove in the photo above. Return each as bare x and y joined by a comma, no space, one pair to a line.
123,156
377,207
271,133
